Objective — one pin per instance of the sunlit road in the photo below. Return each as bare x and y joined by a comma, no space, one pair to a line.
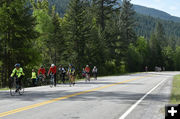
135,96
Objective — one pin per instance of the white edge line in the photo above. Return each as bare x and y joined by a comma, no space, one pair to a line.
139,101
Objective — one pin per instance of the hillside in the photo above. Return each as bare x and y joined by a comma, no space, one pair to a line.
155,13
146,24
62,4
146,19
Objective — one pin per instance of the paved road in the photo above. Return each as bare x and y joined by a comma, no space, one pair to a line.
135,96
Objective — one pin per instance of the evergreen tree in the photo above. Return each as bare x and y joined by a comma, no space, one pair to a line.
160,35
142,48
177,58
168,55
58,41
155,52
77,32
103,10
45,27
134,59
126,23
18,34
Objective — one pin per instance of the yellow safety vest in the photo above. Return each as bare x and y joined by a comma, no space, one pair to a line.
18,72
33,75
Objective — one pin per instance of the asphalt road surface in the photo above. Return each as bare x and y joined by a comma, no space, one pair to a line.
135,96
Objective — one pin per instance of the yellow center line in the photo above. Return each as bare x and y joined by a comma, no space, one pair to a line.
64,97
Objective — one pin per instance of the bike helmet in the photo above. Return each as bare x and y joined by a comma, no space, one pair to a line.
17,65
52,65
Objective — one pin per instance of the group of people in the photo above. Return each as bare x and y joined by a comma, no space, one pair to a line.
53,71
42,74
18,72
86,72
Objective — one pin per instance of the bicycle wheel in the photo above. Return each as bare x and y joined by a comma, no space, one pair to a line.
13,88
70,81
86,78
89,78
44,82
51,82
21,91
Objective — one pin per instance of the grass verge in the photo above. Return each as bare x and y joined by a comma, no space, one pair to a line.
175,93
1,89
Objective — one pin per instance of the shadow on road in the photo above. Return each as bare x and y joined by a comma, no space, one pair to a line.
114,96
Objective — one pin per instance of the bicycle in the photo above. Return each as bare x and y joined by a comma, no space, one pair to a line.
15,88
87,77
41,80
52,83
71,80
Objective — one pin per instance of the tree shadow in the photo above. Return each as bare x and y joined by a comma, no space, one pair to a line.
115,96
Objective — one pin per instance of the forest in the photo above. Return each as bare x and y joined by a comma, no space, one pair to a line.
100,33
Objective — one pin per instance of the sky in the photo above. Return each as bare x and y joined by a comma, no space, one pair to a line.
170,6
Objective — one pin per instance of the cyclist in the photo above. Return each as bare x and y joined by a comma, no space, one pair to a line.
52,71
42,72
33,77
87,70
146,68
71,74
18,72
94,71
83,73
62,72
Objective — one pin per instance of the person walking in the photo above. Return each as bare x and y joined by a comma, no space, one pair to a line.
94,71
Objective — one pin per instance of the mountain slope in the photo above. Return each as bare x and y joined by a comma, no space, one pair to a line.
155,13
146,19
61,6
145,26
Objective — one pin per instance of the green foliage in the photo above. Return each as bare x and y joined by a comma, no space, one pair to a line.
103,10
17,28
94,32
126,23
145,26
134,59
61,5
177,58
77,31
168,55
155,13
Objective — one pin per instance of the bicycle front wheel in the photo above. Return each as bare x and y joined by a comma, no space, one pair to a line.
13,88
51,83
70,81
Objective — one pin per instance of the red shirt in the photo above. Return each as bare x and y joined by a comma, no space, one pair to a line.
41,71
52,70
87,69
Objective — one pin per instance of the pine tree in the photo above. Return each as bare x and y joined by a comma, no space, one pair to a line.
156,52
134,59
122,31
45,27
103,10
17,28
58,41
177,58
127,23
77,32
160,34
